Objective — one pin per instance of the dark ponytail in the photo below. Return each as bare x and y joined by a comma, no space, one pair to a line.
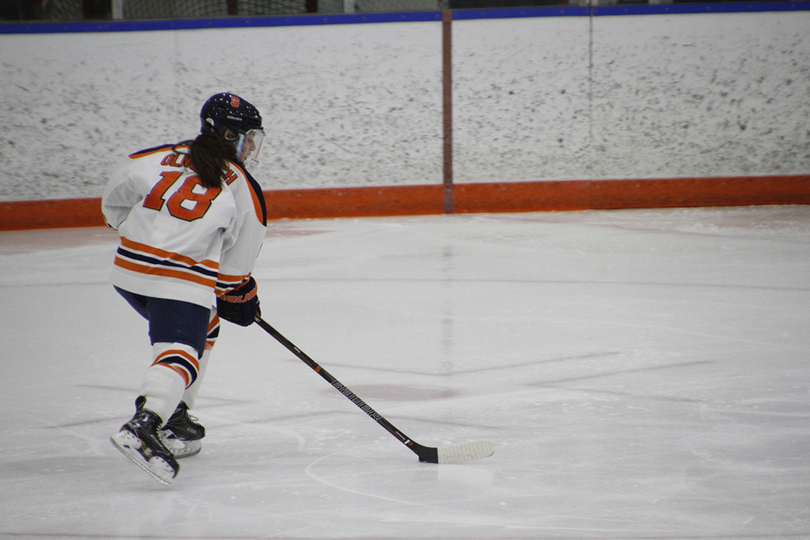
209,156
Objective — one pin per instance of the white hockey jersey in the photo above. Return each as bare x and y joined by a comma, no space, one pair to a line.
179,239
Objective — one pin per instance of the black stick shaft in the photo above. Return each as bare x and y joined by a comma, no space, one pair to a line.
425,453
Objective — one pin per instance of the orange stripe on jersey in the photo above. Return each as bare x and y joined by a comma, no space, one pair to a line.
257,206
165,272
212,265
226,284
236,280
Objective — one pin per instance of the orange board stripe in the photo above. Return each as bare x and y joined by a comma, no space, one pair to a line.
50,214
540,196
355,202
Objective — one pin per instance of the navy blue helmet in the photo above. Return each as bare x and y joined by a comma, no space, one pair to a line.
233,118
228,111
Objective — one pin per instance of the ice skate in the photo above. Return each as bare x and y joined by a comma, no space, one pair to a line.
140,442
182,434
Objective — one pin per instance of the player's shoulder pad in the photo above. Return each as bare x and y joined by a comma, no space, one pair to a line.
255,193
153,150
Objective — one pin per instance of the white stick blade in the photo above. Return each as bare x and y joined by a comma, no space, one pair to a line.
460,453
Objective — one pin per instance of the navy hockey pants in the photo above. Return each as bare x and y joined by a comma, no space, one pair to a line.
171,321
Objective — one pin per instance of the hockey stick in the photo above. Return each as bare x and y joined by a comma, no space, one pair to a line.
457,453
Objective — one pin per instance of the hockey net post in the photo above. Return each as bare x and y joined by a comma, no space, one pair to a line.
458,453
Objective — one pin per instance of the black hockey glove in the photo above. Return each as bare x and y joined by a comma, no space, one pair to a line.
240,305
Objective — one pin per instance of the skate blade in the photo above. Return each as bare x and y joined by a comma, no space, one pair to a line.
157,468
182,449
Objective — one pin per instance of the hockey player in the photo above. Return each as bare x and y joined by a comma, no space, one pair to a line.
191,220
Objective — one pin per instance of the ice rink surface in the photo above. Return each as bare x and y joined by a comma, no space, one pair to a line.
643,374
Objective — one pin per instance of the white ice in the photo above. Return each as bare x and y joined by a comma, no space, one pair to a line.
642,374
